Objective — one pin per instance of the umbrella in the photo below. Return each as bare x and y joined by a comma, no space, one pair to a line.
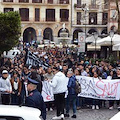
107,40
116,47
91,38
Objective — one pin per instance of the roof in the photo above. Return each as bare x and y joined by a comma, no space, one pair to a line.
26,113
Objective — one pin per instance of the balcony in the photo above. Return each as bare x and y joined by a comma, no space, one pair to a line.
63,1
93,7
36,1
25,19
64,20
50,19
24,1
7,0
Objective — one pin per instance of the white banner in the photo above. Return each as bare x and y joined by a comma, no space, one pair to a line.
91,88
99,89
47,92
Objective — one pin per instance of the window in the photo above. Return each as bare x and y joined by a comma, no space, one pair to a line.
93,2
37,14
105,18
64,15
78,18
24,13
93,18
79,3
50,14
50,1
8,10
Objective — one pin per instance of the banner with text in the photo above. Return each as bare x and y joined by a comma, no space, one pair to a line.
91,88
99,89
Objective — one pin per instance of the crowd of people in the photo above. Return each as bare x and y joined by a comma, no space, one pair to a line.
62,62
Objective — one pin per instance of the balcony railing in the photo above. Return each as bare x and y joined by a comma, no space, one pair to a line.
25,19
64,20
63,1
36,1
58,2
7,0
24,1
50,1
104,22
93,7
50,19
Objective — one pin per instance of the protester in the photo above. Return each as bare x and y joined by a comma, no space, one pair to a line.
72,96
16,89
5,88
95,102
49,76
59,84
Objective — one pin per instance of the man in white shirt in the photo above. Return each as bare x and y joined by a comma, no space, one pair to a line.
5,88
59,84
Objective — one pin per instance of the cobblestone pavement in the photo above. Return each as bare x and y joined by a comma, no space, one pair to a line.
88,114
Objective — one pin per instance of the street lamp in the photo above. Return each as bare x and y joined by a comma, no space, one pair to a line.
95,34
86,10
111,36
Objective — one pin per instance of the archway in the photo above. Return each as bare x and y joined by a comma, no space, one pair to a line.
104,32
29,35
61,31
91,31
75,34
48,34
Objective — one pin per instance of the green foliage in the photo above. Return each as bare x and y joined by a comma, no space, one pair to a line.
10,29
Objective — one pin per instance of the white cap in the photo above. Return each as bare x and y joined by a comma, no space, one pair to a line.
4,72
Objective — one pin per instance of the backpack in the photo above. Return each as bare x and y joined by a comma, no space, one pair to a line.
77,87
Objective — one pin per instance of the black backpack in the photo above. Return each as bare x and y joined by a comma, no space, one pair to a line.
77,87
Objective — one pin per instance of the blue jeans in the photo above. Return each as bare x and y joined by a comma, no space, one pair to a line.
95,102
71,99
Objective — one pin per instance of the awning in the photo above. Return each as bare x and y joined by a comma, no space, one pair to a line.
92,48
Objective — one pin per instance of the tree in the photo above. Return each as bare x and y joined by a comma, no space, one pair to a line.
10,29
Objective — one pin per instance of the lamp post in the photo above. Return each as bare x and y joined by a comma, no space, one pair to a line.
95,34
111,36
86,10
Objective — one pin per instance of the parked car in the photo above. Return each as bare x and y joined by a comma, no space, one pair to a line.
116,117
11,53
11,112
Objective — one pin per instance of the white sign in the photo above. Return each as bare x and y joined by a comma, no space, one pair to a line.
81,42
47,92
99,89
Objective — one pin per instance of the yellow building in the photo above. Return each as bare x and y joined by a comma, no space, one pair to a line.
41,19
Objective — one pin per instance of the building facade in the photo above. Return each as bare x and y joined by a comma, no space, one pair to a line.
113,17
90,16
41,19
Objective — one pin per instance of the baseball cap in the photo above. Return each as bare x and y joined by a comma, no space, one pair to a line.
4,72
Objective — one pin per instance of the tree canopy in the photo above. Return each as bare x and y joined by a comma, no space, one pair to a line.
10,29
